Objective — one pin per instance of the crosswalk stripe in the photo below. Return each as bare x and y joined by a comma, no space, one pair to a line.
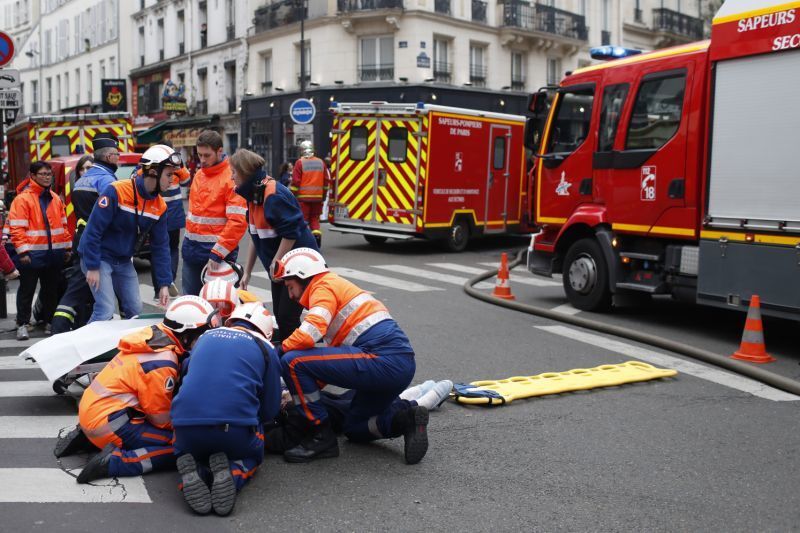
430,274
720,377
474,270
34,427
13,343
13,389
12,362
53,485
384,281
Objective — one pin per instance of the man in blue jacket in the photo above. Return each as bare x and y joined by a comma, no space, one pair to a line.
126,213
231,386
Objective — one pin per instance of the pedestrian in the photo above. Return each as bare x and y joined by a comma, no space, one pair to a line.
125,410
127,212
310,182
366,352
217,215
176,221
38,231
276,226
232,384
285,174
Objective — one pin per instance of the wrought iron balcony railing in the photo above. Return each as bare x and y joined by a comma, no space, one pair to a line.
442,71
544,18
345,6
477,75
278,14
677,23
478,11
376,72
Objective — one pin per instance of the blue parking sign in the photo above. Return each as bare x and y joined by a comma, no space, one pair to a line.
302,111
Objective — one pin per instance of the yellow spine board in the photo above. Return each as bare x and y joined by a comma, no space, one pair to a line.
578,379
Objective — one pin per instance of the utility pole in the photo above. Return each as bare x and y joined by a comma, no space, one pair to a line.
302,48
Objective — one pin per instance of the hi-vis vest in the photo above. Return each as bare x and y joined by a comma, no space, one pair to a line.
256,221
312,181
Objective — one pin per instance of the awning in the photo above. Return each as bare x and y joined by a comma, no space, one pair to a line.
156,133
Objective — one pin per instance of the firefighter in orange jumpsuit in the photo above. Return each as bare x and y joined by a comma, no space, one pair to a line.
125,411
310,182
217,218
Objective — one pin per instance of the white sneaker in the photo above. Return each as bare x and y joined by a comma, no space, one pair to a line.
22,333
417,390
436,396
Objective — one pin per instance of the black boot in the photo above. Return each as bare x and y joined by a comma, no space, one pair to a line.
412,424
322,443
73,442
288,430
195,490
97,467
223,489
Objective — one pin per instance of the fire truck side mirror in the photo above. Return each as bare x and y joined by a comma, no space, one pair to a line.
537,103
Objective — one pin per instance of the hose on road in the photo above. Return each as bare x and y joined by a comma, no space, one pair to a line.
758,374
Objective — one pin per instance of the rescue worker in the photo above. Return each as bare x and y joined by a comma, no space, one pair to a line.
276,226
94,181
232,385
224,297
125,410
176,220
42,243
367,352
216,221
310,182
127,212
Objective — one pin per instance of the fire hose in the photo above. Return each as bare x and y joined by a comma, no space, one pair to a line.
758,374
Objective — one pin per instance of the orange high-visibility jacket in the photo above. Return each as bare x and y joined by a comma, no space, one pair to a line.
141,378
217,215
338,311
35,233
310,179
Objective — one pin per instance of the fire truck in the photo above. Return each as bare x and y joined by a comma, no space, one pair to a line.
39,138
675,172
402,171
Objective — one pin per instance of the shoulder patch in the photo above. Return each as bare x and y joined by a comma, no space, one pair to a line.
169,384
102,201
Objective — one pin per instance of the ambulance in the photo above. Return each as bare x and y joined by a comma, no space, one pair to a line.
44,137
676,172
403,171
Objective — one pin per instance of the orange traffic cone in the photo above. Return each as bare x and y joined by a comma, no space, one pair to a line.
501,288
752,347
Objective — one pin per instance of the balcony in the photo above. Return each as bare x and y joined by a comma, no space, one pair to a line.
349,6
376,72
201,107
442,71
676,28
278,14
441,6
518,82
545,19
478,11
477,75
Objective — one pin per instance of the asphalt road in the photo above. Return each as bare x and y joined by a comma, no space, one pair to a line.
704,450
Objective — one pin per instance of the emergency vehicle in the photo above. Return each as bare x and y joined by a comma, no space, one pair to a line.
417,170
43,137
676,172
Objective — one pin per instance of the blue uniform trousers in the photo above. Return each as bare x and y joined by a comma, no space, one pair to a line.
244,446
144,448
376,379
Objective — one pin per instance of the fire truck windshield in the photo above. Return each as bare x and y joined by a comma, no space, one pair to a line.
570,125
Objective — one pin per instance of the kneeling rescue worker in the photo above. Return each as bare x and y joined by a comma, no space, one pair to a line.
125,411
232,385
367,352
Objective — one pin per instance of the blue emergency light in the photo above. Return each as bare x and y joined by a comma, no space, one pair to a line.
612,52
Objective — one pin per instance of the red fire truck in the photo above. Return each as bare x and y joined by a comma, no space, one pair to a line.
676,172
403,170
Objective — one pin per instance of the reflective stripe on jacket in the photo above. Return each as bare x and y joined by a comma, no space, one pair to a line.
139,380
216,221
37,225
310,179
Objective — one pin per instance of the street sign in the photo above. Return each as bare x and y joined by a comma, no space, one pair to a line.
302,111
6,48
10,98
9,78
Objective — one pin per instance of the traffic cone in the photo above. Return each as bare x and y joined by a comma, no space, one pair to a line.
752,347
501,288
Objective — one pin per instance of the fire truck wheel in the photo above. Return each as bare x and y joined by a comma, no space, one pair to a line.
586,276
458,237
374,239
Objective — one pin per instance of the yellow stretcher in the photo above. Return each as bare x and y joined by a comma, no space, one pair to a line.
503,391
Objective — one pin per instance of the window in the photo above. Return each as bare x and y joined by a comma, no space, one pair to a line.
58,91
477,65
398,143
441,60
573,116
517,72
358,143
613,100
112,67
76,45
377,59
89,81
499,157
77,85
266,84
656,112
160,39
230,19
59,145
48,83
553,71
102,64
66,89
180,33
34,96
141,46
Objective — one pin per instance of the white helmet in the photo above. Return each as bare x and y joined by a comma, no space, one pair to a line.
221,294
307,147
160,154
256,314
300,263
225,270
190,312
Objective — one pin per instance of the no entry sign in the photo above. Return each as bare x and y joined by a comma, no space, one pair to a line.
6,49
